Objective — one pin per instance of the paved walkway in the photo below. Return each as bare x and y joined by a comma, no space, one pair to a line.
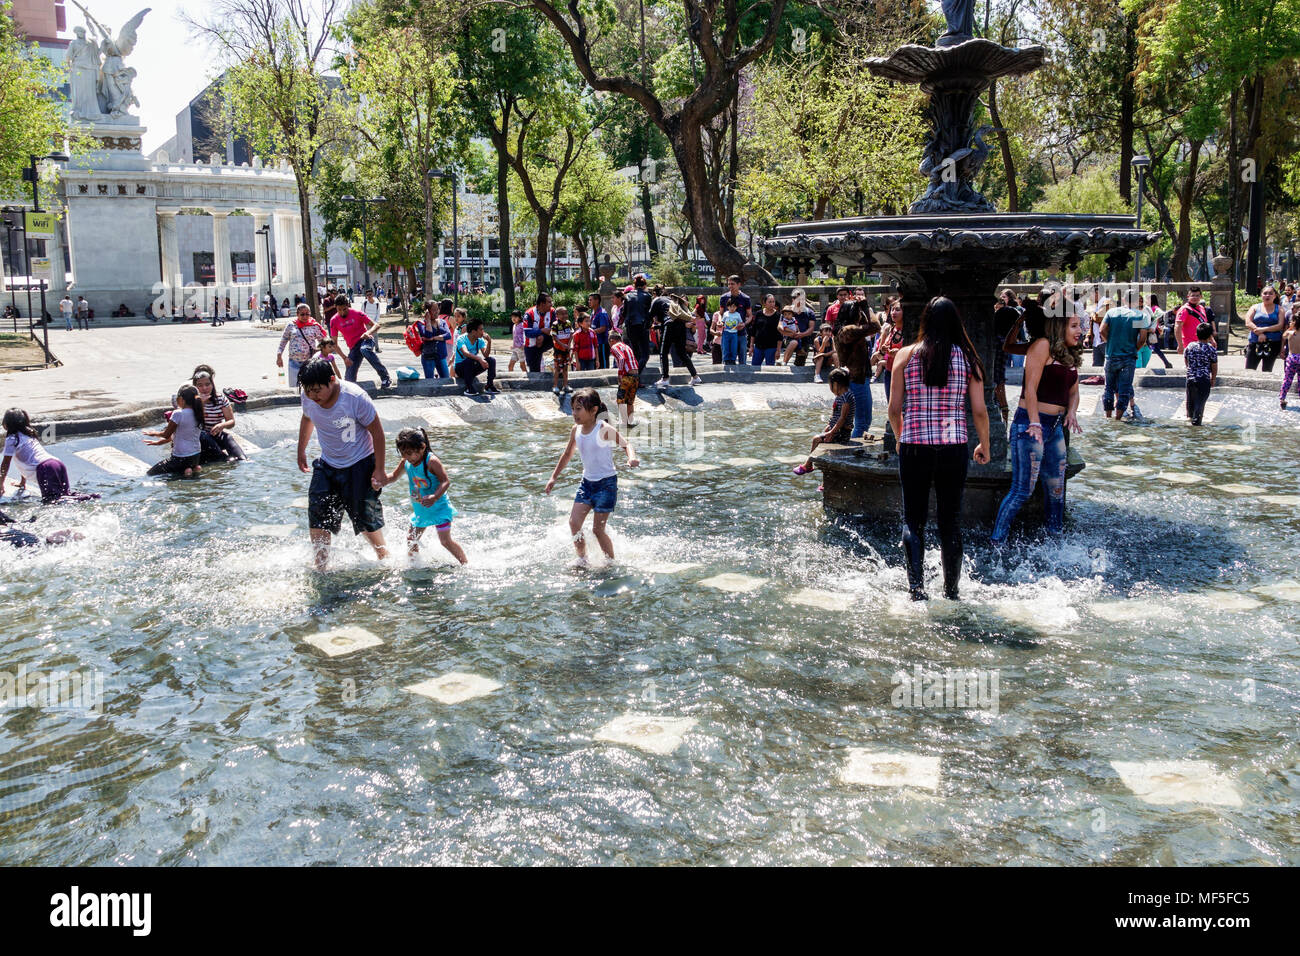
115,371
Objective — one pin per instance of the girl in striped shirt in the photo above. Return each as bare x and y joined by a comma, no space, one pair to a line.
218,420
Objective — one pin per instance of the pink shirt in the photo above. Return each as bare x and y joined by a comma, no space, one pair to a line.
349,326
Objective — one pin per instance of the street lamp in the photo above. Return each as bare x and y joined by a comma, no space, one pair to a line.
1140,163
32,175
455,234
9,261
265,232
365,244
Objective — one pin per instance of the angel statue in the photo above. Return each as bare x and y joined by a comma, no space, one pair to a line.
115,77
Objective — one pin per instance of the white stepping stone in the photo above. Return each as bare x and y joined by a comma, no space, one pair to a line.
272,530
1238,489
700,466
440,416
794,431
490,455
1211,412
655,473
745,402
735,583
742,462
657,735
825,600
716,434
454,688
1167,782
1048,617
667,567
1126,471
1287,591
1286,501
880,768
114,461
541,409
300,502
1134,439
791,459
1228,446
1224,601
343,640
1180,477
1124,612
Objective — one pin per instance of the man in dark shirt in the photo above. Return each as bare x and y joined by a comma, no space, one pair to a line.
636,321
743,306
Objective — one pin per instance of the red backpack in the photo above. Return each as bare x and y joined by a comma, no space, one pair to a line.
414,341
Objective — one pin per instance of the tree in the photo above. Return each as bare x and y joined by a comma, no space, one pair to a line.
275,54
594,204
714,32
31,119
402,76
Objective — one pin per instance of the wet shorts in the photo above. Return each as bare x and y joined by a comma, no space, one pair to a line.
517,355
335,491
627,386
601,495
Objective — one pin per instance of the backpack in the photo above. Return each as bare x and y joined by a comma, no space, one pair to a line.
236,395
414,341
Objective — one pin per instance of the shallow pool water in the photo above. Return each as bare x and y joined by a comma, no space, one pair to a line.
1161,628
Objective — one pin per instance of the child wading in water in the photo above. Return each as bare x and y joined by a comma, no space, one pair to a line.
594,438
840,426
628,379
23,444
428,483
562,336
183,431
1291,349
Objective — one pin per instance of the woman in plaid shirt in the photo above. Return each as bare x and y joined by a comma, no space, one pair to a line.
932,381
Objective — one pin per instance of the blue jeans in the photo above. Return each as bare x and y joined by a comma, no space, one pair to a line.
435,366
601,495
742,347
764,356
1030,461
861,408
365,349
1119,381
729,347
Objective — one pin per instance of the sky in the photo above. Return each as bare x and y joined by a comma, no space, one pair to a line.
172,65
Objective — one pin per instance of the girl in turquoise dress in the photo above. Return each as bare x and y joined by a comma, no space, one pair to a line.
428,483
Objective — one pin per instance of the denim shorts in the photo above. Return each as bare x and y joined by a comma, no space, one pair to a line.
601,495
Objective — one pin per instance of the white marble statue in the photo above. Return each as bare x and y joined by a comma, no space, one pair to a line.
83,70
114,96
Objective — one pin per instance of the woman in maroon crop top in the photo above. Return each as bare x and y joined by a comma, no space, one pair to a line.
1049,400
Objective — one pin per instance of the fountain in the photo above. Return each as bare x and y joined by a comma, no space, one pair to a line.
952,243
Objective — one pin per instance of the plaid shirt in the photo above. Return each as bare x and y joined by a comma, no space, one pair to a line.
935,416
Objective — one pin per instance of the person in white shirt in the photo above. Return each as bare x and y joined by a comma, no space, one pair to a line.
66,309
371,307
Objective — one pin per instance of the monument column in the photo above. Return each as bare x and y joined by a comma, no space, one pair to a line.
295,244
170,255
221,249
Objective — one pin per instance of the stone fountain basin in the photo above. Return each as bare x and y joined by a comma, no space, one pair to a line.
1009,242
860,480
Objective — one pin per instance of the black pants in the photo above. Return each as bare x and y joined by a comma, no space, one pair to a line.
1158,353
638,339
673,339
1262,355
1198,390
533,357
469,370
944,468
221,447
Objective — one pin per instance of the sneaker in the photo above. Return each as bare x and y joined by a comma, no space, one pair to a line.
388,384
470,391
662,383
556,390
802,469
567,390
492,388
697,381
819,380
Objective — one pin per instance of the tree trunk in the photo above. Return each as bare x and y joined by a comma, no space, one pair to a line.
1232,235
1183,239
503,231
651,237
1004,141
733,173
1126,106
726,259
539,261
580,244
432,264
308,254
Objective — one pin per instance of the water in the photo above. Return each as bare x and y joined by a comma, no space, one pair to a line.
1159,629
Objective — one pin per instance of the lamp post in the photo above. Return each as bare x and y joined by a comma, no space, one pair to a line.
32,174
365,241
1139,163
455,233
265,232
9,261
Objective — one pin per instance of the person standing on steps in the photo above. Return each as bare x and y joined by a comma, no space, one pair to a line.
742,306
357,332
537,332
934,378
66,308
1266,322
636,322
1122,328
677,324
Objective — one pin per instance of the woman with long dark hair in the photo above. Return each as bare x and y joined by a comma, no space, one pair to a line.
932,381
852,342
